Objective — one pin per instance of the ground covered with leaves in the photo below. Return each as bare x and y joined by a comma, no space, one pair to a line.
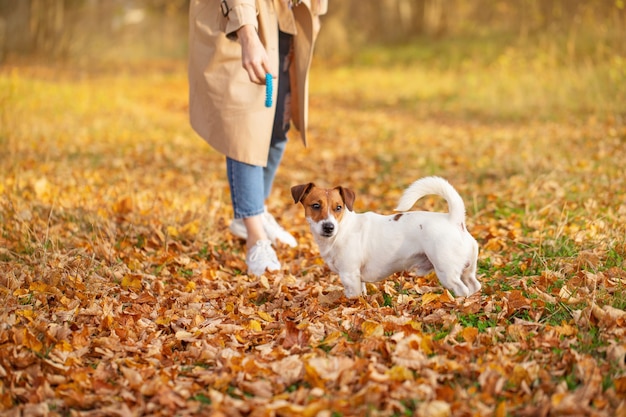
123,293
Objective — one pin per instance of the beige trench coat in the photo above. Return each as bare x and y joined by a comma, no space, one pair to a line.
225,108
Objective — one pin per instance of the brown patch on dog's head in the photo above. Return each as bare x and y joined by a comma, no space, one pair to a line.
397,216
298,192
318,202
347,195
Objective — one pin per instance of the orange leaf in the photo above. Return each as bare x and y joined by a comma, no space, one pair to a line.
501,410
32,342
469,334
372,329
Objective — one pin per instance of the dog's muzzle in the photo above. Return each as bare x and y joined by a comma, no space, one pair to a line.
328,229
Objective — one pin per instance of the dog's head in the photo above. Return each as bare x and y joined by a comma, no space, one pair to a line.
323,207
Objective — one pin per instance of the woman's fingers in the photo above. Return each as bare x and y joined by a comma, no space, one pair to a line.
253,55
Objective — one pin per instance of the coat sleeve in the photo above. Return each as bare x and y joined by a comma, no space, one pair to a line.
239,13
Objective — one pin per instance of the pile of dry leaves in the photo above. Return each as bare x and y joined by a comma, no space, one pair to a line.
124,294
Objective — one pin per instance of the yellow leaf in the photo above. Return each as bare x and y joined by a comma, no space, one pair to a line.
254,325
135,265
429,298
164,321
373,329
64,346
400,373
107,322
25,313
190,287
38,286
332,338
416,325
265,316
132,282
426,344
65,301
557,398
566,330
32,342
20,292
519,374
312,376
191,228
495,244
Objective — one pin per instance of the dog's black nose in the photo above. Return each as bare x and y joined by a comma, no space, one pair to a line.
328,228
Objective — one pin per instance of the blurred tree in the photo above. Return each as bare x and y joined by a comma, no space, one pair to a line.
136,28
15,17
35,26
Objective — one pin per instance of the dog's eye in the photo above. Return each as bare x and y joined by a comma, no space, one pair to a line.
316,206
338,208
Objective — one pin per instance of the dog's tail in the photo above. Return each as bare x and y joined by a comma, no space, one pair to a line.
437,186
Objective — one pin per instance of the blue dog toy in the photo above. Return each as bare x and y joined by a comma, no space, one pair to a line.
268,90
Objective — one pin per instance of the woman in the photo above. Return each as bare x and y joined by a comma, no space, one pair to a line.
233,45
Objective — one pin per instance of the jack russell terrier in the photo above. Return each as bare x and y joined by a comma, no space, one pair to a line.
368,247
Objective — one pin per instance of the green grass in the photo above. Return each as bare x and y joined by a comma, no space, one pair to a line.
202,399
556,313
494,77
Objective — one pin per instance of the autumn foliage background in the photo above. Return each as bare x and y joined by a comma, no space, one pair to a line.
123,293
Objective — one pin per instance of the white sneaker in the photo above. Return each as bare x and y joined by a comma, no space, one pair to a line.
262,257
238,229
273,230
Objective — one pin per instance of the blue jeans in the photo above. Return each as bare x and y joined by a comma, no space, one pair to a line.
251,185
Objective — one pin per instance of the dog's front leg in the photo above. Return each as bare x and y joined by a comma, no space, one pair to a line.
352,284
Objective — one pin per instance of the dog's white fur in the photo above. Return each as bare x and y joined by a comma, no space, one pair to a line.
368,247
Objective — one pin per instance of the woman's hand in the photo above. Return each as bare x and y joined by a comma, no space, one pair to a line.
253,54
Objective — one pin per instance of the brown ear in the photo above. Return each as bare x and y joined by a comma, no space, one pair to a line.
298,192
348,196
